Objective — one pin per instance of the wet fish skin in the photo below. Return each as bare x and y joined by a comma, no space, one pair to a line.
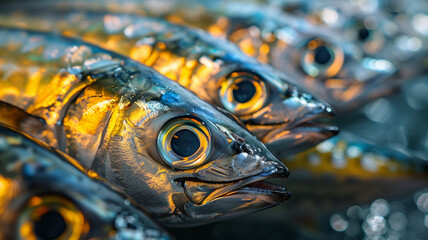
346,80
278,112
280,39
114,115
38,181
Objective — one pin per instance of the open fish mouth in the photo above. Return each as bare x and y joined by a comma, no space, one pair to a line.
258,186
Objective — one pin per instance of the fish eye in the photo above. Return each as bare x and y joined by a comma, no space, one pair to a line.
321,58
369,37
243,92
50,217
184,142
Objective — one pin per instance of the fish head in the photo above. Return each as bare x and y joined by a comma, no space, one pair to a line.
284,116
48,195
185,161
335,70
263,99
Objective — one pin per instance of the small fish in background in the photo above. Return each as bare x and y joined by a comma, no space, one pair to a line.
342,168
177,156
282,116
44,194
391,30
329,65
397,122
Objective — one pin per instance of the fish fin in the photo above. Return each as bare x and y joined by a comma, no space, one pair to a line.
17,118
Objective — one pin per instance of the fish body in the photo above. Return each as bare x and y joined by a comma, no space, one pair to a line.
332,67
285,118
131,126
47,195
396,122
340,75
378,30
349,169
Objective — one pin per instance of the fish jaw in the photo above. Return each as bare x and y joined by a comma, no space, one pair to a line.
236,198
305,123
231,185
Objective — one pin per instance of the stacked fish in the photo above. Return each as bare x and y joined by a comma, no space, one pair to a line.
119,118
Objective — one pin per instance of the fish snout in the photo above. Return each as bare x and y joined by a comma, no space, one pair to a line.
310,123
245,174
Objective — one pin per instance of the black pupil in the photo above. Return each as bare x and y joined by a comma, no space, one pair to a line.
322,55
50,225
244,91
363,34
185,143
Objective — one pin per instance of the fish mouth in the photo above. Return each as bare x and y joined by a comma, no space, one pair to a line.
259,186
299,134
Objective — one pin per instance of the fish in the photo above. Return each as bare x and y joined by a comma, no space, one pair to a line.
356,162
332,180
340,75
45,194
388,30
396,122
176,155
285,118
398,37
331,66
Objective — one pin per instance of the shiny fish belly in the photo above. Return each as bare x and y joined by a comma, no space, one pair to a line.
124,121
274,110
39,186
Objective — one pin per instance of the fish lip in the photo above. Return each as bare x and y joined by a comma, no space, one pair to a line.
321,123
253,185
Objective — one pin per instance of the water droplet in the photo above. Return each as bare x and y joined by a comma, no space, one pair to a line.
326,146
426,221
353,152
420,23
354,212
329,15
380,207
422,202
379,110
374,225
398,221
338,223
368,162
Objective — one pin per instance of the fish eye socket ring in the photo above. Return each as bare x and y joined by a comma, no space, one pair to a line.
40,212
178,141
252,92
321,58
